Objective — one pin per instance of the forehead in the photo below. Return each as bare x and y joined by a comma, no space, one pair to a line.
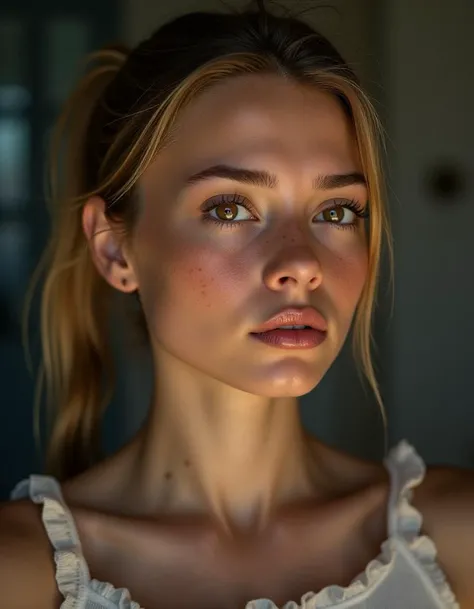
257,118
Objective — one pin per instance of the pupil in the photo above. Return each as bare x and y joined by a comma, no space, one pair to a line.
334,215
227,212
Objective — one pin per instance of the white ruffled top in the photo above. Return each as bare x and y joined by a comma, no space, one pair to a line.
405,574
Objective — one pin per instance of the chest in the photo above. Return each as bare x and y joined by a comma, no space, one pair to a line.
178,567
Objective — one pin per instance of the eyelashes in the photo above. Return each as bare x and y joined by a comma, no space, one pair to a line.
231,211
334,213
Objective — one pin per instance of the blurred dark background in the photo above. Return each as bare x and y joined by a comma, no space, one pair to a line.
416,59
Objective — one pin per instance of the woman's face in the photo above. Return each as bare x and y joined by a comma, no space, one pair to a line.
244,215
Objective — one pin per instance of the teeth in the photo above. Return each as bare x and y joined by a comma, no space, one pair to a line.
292,327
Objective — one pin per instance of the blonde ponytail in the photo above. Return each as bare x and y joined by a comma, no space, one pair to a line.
77,369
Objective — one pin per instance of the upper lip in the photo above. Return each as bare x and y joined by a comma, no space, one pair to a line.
306,316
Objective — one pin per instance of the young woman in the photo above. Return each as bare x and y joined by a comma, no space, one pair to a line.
225,175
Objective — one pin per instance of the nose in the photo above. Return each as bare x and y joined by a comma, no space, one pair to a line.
294,268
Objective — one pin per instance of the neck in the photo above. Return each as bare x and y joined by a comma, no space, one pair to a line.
210,448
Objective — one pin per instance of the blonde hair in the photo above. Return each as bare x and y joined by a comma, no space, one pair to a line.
113,126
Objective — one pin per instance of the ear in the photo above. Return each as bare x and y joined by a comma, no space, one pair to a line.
107,248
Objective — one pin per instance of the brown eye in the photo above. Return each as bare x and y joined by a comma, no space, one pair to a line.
230,212
343,213
334,215
227,211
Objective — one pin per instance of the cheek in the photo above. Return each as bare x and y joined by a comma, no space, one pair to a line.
345,269
202,277
217,281
352,272
190,277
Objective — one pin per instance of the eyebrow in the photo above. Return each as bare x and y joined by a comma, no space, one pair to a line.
266,179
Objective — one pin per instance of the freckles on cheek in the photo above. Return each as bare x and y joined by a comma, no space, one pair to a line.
208,279
199,285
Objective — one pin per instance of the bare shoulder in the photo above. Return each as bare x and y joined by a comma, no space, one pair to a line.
350,472
27,576
446,501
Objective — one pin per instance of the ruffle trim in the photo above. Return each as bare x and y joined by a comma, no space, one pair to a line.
72,573
405,463
119,597
405,523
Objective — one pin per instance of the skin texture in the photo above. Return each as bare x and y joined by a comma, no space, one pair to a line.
222,497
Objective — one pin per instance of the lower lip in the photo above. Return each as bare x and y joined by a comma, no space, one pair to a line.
291,339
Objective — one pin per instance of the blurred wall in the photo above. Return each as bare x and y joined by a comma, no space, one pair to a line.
41,45
430,120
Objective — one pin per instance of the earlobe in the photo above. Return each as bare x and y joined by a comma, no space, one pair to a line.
106,247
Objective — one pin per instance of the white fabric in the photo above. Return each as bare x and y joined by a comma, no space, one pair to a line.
405,574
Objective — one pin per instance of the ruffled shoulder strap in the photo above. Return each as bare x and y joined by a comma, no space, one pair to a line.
72,573
407,471
405,523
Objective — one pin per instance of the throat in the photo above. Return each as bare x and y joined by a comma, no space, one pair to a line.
236,464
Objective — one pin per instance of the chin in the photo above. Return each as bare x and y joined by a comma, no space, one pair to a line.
289,388
285,380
